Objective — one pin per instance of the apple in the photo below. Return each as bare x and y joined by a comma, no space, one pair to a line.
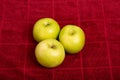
72,38
45,28
50,53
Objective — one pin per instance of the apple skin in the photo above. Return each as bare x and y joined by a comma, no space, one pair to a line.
45,28
72,38
50,53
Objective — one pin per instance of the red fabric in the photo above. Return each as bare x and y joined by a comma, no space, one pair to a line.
100,58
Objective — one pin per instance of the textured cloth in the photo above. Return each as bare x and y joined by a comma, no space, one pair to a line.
100,58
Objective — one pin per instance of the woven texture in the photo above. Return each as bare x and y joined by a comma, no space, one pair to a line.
100,58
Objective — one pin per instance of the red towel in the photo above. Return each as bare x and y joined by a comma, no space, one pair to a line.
100,58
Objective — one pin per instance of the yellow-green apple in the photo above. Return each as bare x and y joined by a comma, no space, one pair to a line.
72,38
50,53
45,28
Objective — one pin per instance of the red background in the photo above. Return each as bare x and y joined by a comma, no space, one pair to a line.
100,58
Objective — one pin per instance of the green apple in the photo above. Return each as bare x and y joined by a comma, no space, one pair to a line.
50,53
45,28
72,38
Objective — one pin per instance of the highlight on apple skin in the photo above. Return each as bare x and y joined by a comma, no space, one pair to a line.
50,53
72,38
45,28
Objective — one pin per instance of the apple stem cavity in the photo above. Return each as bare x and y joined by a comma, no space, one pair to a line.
72,32
47,24
53,47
